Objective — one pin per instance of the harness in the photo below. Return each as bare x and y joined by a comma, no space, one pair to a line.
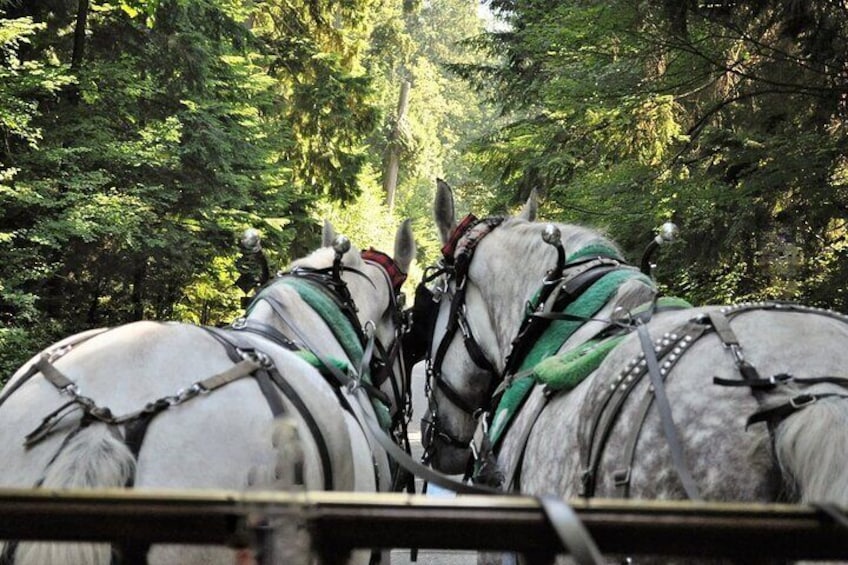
456,257
554,302
247,362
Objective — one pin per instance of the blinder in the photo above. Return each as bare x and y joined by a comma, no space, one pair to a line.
422,320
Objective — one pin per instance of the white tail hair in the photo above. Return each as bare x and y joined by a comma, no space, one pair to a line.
93,458
812,447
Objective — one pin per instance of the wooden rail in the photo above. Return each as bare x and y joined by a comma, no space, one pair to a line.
343,521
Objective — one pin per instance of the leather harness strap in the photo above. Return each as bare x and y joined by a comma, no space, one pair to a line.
610,406
666,418
571,531
51,355
271,384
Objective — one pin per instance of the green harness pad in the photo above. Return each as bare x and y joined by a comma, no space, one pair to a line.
344,333
567,370
329,311
558,372
564,371
586,305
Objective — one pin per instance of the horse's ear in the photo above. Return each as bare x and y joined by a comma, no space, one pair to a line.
404,246
328,234
443,210
531,207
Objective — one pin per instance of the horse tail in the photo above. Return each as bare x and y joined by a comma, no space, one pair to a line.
92,457
812,446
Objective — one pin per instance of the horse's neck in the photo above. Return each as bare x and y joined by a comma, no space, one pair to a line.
297,320
515,262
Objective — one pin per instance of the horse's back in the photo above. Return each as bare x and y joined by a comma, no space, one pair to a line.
227,438
727,460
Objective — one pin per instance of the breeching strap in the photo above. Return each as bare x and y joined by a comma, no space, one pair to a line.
664,409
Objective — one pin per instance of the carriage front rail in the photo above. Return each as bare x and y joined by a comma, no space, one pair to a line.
339,522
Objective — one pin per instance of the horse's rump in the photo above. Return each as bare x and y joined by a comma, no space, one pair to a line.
727,461
225,439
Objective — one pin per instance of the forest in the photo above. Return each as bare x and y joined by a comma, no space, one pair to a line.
141,137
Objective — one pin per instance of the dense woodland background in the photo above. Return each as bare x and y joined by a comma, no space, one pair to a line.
139,137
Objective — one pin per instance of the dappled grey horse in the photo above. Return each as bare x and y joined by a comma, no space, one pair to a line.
251,406
559,368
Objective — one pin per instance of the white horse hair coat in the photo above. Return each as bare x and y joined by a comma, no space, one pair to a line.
804,459
225,439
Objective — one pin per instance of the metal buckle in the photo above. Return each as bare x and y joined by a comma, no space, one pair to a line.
462,322
621,477
802,400
186,394
736,350
59,352
369,329
780,378
256,356
71,390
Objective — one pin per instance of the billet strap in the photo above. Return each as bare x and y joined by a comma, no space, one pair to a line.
781,379
621,477
52,355
664,409
511,473
51,373
672,346
265,330
229,339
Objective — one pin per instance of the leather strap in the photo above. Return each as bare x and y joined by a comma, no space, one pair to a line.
780,379
666,418
621,477
511,473
776,414
572,533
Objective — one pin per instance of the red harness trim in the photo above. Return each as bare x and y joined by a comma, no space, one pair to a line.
450,247
395,274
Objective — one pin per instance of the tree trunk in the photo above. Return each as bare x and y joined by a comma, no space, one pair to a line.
392,162
79,35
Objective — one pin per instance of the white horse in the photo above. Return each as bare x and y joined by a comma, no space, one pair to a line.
178,406
503,346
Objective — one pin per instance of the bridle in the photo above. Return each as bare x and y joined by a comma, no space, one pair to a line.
378,360
556,288
453,270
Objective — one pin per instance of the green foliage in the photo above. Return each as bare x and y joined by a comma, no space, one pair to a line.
126,181
421,43
136,150
728,120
